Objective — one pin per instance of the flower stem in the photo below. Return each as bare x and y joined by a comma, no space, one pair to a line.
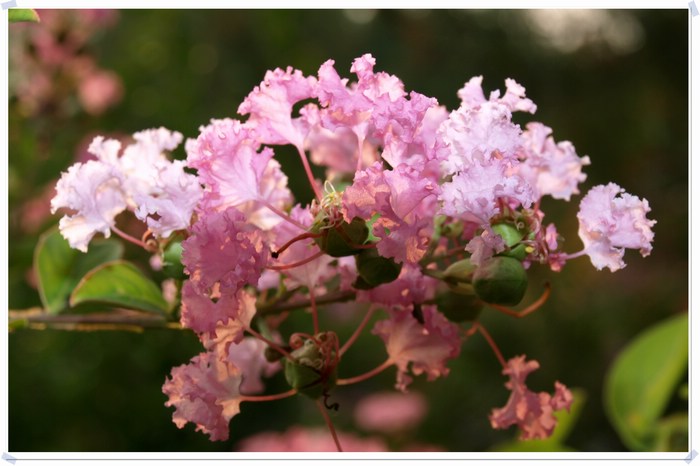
575,255
367,375
327,418
477,326
270,343
131,239
282,214
528,310
357,332
309,175
278,396
296,264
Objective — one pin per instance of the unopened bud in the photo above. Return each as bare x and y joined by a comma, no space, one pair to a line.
374,269
500,280
341,240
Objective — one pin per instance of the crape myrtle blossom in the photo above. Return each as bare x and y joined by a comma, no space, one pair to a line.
530,411
426,216
140,179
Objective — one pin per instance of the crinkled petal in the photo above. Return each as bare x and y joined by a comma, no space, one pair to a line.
427,347
92,190
206,393
531,412
235,174
611,220
270,106
550,168
223,249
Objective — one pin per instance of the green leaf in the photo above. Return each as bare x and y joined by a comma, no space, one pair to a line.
643,379
120,283
59,268
15,15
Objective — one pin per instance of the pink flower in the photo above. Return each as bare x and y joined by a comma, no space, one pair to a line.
410,287
472,135
206,393
304,439
221,317
93,191
223,249
235,174
611,220
472,95
406,202
427,347
390,411
249,356
270,106
549,167
531,412
169,204
485,246
474,193
100,90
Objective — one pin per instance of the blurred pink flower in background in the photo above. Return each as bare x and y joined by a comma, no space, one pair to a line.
390,411
49,66
308,439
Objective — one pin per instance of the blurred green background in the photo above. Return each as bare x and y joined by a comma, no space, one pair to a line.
615,83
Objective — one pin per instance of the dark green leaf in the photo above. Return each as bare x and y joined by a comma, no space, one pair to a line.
122,284
643,379
59,268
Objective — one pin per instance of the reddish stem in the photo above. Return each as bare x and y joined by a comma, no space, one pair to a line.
327,418
528,310
300,237
270,343
281,214
131,239
309,175
477,326
278,396
366,375
296,264
357,332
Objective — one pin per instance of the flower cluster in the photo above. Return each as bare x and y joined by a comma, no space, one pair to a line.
426,215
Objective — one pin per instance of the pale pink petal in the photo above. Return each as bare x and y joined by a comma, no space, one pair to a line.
249,357
550,168
485,246
224,249
221,318
235,174
171,201
531,412
409,288
611,220
427,347
270,106
473,194
406,202
206,393
477,134
94,192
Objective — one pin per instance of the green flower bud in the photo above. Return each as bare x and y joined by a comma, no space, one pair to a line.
341,240
172,261
519,252
500,280
459,307
511,235
310,372
458,276
374,269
